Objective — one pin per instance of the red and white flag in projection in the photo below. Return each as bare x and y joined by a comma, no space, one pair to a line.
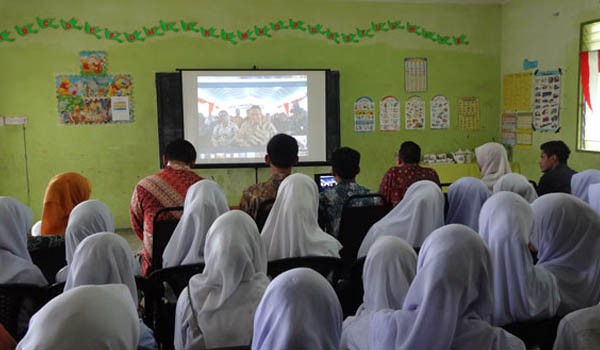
590,69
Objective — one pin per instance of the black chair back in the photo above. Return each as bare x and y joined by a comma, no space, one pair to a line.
164,223
48,253
18,302
355,223
328,267
167,284
536,334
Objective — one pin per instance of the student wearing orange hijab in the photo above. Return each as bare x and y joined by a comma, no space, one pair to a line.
63,193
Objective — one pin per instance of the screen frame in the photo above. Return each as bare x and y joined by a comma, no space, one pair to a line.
170,113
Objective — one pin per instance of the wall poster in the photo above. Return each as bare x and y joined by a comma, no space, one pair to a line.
439,112
415,113
364,114
415,74
546,106
389,114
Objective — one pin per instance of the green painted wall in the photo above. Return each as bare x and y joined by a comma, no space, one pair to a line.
548,31
115,157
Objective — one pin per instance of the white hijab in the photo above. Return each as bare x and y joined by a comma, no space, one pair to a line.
419,213
204,202
225,296
579,330
449,303
581,181
15,262
299,310
87,317
291,229
389,269
103,258
86,218
567,235
518,184
493,162
594,196
465,199
522,291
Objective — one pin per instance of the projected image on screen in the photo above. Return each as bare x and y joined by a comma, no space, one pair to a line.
237,115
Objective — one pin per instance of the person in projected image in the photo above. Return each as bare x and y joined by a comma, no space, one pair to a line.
256,130
224,132
298,120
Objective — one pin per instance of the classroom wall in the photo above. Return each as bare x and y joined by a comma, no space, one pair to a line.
115,156
548,31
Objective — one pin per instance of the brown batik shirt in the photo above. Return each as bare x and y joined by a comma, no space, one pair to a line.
253,196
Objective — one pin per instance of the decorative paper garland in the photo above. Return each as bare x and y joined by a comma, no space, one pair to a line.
233,37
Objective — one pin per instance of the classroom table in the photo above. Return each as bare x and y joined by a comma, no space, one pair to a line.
450,172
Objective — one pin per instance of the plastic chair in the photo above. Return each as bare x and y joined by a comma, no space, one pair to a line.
355,223
328,267
536,334
166,285
20,300
163,224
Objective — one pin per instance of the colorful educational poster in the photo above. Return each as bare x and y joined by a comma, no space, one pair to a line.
364,114
93,62
415,113
389,114
516,92
546,105
524,132
415,74
86,99
509,128
468,113
439,112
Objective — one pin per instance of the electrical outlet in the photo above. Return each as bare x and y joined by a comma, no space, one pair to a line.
20,120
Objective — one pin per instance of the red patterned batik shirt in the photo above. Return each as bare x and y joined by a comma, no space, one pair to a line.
163,190
397,179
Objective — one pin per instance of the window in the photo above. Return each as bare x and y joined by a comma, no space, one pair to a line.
589,88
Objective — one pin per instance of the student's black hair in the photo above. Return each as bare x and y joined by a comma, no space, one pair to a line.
557,148
181,150
282,150
345,162
409,152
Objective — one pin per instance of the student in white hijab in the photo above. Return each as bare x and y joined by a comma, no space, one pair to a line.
522,291
87,317
581,181
204,202
566,234
518,184
579,330
449,303
106,258
86,218
465,199
292,229
594,196
493,162
389,269
299,310
15,262
419,213
217,307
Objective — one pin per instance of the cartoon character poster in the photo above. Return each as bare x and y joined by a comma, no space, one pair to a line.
93,62
87,99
